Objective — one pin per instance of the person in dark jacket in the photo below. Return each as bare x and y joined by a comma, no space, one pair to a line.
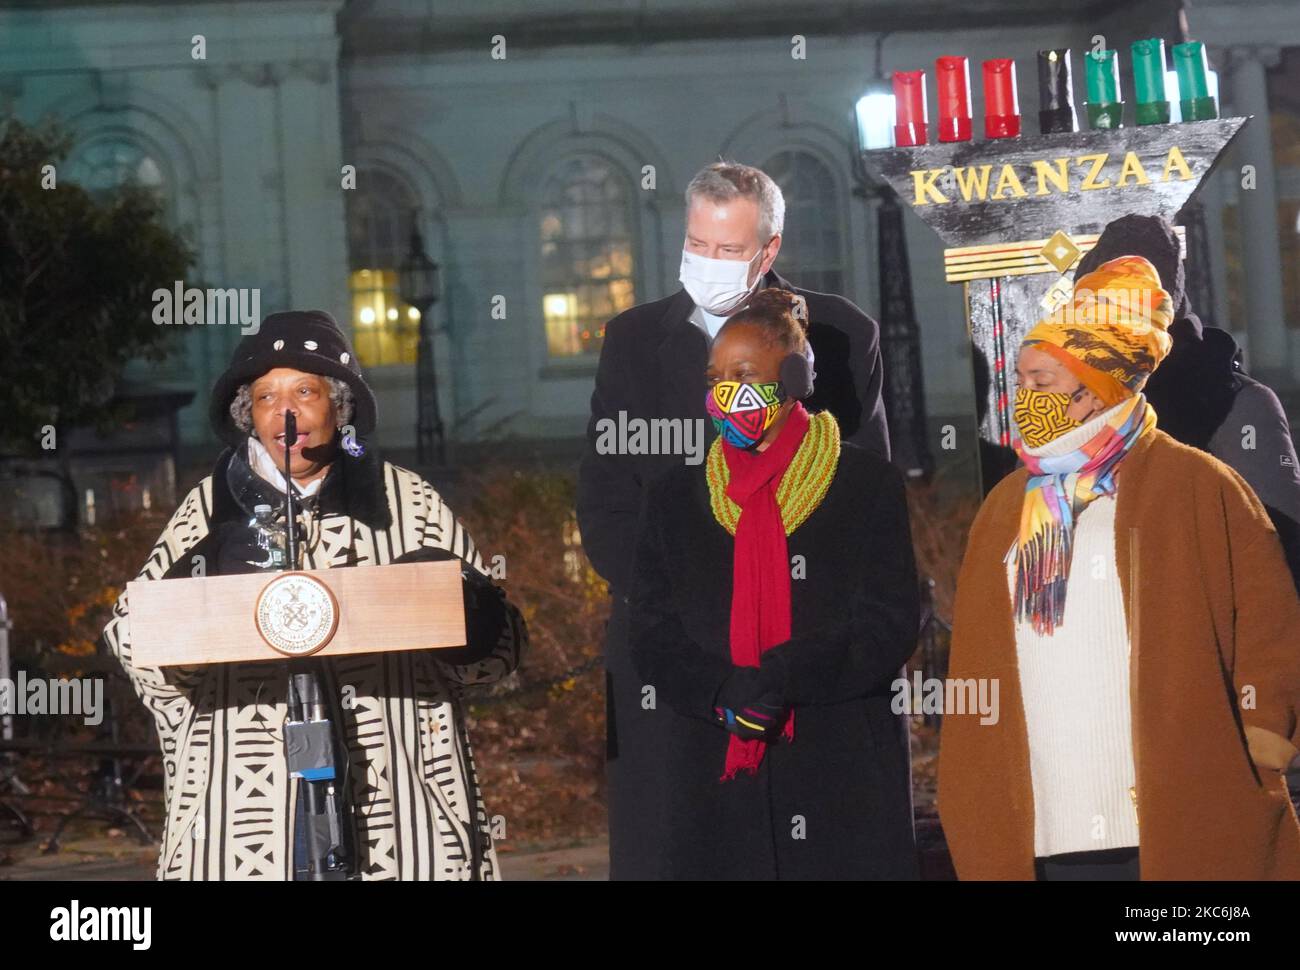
652,366
1200,391
774,601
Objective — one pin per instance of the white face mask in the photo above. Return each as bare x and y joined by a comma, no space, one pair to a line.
718,285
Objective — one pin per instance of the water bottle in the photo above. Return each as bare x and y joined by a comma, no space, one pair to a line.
271,537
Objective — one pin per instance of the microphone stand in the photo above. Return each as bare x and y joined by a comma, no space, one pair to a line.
319,851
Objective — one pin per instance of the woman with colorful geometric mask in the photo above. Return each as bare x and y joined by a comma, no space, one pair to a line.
774,603
1130,597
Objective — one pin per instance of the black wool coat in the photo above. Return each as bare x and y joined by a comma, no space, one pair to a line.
652,366
836,802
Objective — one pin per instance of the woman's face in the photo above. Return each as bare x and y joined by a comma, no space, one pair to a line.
1040,371
742,352
280,391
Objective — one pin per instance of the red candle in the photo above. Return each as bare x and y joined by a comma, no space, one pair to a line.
1001,102
909,108
954,98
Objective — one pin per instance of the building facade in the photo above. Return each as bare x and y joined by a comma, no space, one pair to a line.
541,150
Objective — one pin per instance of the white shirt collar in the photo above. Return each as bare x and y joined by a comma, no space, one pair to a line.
264,465
710,323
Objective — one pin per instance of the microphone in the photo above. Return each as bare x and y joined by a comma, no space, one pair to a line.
290,517
309,734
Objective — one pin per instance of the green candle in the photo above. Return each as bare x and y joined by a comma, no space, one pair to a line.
1149,81
1193,82
1189,62
1103,76
1105,110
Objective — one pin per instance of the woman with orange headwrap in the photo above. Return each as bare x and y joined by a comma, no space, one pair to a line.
1129,595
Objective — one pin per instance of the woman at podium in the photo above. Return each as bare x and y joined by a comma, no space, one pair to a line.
774,602
411,807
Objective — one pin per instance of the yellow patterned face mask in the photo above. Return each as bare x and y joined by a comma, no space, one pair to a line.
1040,415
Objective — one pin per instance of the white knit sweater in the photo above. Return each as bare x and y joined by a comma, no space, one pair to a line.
1075,688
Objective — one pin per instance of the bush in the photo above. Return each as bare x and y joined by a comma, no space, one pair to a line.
539,738
540,750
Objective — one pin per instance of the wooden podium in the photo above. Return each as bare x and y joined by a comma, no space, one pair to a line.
311,612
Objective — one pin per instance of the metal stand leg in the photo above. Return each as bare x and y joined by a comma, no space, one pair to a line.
107,796
9,780
107,801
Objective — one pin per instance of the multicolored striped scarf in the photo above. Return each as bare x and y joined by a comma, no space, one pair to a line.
1058,489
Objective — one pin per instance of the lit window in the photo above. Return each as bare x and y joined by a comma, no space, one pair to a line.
587,254
381,332
384,329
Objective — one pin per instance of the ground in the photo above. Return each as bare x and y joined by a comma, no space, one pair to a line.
88,853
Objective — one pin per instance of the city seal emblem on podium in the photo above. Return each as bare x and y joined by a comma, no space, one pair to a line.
296,614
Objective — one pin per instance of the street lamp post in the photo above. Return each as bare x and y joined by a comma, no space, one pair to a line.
1199,269
900,336
417,284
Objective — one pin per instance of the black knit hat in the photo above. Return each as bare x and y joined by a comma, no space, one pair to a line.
1150,237
305,340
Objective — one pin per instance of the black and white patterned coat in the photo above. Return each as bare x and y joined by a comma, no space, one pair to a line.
415,802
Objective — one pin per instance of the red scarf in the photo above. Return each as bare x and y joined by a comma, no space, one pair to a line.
760,595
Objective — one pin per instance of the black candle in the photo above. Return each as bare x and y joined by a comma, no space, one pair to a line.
1055,93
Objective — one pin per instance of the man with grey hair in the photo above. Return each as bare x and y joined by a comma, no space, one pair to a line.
652,366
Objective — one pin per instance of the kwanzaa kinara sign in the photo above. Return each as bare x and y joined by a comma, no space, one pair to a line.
1095,172
1016,214
974,194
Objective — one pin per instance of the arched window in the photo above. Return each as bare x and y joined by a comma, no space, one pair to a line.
587,220
104,164
379,212
812,248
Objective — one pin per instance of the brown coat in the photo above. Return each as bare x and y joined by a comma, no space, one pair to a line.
1212,614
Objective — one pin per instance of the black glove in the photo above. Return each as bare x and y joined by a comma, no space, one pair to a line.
748,705
486,613
238,551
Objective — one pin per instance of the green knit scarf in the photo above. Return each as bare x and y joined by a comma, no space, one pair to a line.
802,486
